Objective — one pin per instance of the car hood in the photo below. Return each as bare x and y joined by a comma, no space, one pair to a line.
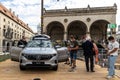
39,51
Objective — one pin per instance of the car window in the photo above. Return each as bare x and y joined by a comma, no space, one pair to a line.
40,43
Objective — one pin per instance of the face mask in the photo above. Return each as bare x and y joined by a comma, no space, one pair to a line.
110,42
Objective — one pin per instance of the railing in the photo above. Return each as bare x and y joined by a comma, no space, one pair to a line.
80,54
102,57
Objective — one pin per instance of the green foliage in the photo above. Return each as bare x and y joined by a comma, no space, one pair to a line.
4,57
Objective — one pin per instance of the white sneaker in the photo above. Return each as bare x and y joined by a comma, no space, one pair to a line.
71,70
109,77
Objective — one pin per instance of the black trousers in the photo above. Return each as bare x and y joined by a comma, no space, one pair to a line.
89,61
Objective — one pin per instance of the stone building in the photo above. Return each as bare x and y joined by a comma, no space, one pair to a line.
93,21
11,29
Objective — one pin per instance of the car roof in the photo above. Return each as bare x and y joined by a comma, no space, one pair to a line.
40,37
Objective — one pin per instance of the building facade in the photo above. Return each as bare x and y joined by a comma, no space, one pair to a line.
93,21
11,29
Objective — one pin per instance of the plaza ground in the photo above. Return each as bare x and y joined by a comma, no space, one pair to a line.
9,70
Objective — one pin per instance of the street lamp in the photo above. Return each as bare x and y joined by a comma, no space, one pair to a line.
42,16
42,4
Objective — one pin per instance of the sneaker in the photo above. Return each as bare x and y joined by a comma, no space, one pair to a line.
65,63
92,71
114,76
71,70
70,64
109,77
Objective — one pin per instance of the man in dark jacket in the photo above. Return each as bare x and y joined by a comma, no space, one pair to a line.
22,41
88,53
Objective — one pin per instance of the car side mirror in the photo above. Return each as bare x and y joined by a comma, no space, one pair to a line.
21,46
57,46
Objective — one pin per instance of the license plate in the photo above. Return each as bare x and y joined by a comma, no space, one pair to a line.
38,62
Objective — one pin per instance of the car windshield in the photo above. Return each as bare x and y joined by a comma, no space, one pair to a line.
40,43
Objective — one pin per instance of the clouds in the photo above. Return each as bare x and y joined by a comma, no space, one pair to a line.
78,3
30,10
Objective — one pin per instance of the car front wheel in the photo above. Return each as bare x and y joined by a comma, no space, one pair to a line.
22,67
55,68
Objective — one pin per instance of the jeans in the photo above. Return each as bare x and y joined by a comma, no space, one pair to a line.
111,63
73,55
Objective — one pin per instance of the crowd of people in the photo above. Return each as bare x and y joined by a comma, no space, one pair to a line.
91,53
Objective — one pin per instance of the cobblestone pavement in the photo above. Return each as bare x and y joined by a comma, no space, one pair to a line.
9,70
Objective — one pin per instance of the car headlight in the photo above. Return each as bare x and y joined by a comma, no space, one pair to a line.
23,54
54,54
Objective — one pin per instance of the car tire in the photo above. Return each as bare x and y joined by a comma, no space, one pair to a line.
22,68
55,68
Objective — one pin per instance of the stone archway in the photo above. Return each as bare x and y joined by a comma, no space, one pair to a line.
98,30
55,30
77,28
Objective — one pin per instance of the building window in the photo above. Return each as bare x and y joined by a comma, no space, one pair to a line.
15,35
18,36
4,20
4,32
12,24
3,26
8,22
3,44
4,10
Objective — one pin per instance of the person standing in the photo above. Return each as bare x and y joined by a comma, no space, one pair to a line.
88,48
113,47
22,41
73,48
95,51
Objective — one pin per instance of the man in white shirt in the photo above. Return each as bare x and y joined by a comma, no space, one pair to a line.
113,47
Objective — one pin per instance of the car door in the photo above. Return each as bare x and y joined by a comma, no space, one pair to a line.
15,53
62,54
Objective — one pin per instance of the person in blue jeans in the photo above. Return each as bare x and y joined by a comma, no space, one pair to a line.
73,48
113,47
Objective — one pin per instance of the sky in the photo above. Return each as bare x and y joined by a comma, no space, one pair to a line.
29,11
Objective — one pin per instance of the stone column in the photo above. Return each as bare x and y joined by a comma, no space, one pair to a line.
65,35
88,34
65,24
88,31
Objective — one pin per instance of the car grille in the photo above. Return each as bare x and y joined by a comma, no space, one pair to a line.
38,57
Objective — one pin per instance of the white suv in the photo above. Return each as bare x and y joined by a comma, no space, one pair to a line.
39,52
